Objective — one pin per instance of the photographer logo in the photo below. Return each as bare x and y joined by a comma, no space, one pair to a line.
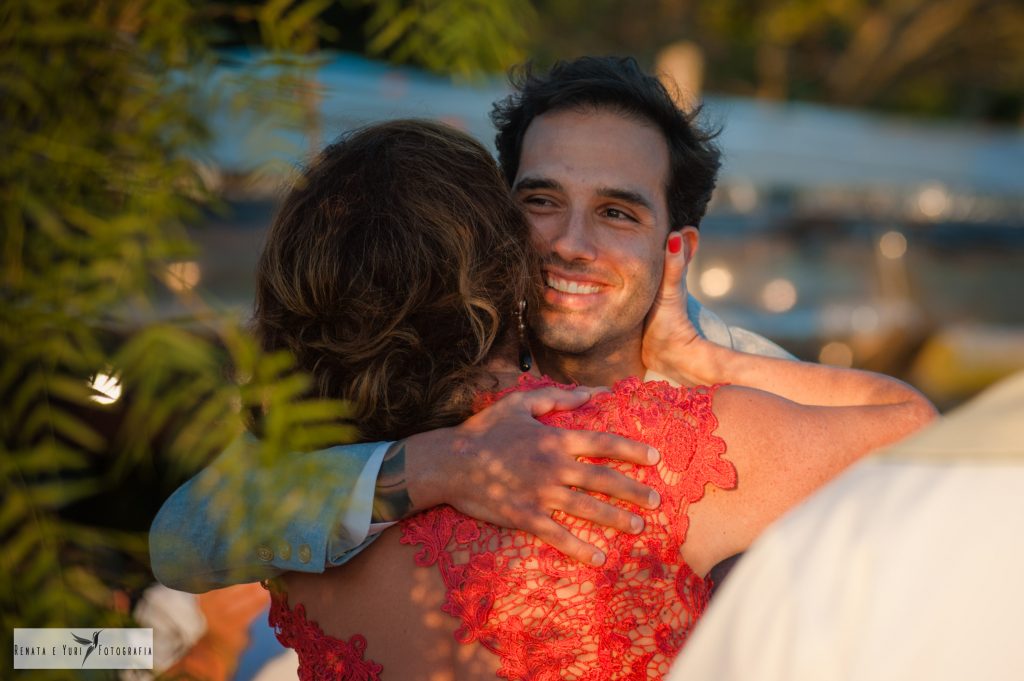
83,648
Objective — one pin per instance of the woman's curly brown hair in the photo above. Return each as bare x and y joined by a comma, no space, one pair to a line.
391,270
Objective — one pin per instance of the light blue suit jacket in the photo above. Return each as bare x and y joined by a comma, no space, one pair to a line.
196,544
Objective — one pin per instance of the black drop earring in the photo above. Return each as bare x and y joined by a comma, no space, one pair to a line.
525,360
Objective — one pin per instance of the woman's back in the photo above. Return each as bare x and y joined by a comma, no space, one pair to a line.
543,615
383,596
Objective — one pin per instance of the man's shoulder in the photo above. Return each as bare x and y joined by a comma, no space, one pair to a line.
712,327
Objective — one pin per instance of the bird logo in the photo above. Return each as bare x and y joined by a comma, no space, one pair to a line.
86,642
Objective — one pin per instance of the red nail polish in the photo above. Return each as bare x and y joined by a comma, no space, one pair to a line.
675,244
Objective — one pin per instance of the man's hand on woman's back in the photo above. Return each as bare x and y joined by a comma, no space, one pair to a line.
505,467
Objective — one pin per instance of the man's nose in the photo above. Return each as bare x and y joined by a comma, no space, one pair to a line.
573,239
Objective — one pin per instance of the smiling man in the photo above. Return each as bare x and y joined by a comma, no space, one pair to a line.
607,169
609,172
593,186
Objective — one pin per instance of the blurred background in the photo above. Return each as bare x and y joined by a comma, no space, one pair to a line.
871,206
870,213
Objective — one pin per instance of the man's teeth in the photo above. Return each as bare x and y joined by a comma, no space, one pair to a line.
571,286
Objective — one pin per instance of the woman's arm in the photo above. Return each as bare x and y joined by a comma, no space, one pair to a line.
789,426
701,362
783,451
673,348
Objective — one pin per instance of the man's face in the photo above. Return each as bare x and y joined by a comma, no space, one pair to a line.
593,187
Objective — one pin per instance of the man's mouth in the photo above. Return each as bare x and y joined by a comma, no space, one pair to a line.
569,286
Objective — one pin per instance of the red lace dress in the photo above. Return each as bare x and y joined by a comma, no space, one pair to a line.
546,616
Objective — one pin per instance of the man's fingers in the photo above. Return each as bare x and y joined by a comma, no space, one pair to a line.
565,541
540,402
587,507
593,390
606,446
608,481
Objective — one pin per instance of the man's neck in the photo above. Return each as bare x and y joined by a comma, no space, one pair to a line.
598,367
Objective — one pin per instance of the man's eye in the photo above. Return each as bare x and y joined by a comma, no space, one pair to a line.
537,201
616,214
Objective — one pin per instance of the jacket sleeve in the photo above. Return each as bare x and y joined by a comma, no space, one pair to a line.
239,521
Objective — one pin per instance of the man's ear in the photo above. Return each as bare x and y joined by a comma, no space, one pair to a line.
691,242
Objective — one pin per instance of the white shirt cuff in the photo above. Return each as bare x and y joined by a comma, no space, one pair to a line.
356,519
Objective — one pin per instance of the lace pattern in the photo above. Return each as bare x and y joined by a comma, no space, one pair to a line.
548,617
321,657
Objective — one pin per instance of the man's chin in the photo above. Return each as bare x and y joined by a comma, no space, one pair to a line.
567,340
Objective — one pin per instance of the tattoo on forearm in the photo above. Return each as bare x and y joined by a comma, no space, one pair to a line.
391,498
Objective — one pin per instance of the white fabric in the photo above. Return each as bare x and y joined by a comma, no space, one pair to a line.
356,518
177,624
284,667
908,566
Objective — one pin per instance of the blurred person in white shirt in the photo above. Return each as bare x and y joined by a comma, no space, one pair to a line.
908,566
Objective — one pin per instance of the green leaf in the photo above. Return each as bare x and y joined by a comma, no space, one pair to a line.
60,493
51,419
13,510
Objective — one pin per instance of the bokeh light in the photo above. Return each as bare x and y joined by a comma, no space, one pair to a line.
933,202
864,319
893,245
182,276
106,388
779,295
836,354
715,282
743,196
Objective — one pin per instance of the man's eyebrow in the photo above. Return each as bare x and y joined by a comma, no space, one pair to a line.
626,196
536,183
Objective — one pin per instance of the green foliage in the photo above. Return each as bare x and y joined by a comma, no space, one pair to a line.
946,57
103,108
462,37
94,185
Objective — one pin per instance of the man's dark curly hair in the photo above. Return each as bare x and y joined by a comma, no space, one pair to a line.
617,84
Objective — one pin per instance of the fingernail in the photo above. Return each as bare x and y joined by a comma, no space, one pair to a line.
597,558
654,499
636,523
653,455
675,243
